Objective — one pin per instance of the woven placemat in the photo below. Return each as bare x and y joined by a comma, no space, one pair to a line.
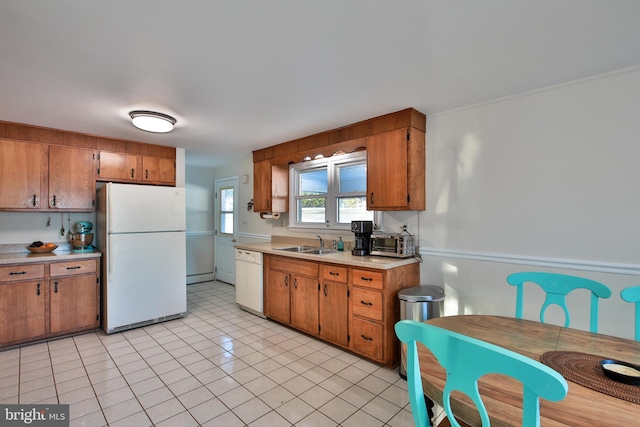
585,369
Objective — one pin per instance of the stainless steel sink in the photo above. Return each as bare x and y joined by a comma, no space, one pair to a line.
307,250
319,251
298,248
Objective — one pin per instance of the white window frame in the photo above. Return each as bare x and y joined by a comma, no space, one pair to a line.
221,211
331,209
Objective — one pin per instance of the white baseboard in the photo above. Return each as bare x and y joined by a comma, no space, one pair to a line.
197,278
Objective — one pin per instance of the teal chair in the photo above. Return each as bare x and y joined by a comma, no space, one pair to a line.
632,294
557,286
467,359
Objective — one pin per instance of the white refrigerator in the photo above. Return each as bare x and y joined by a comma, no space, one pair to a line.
141,234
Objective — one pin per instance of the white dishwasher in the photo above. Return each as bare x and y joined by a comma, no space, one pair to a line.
249,290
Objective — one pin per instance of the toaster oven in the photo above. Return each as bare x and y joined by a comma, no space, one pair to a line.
394,245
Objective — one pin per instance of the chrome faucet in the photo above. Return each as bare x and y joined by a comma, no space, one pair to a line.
321,242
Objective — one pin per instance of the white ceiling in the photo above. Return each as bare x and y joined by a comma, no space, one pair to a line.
240,75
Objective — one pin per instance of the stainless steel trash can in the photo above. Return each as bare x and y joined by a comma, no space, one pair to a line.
419,303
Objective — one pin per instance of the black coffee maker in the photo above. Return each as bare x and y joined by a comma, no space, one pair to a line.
362,242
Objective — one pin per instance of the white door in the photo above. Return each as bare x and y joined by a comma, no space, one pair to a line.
226,229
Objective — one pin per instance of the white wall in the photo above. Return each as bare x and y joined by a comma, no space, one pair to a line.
540,181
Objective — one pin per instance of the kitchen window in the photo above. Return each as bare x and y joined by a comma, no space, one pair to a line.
329,192
226,211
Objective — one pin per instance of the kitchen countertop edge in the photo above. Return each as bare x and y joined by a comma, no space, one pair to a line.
31,258
344,258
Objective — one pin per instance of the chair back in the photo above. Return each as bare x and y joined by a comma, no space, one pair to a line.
632,295
557,286
467,359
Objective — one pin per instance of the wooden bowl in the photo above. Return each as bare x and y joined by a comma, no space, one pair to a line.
42,249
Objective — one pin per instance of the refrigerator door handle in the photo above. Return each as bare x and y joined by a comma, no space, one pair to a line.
109,258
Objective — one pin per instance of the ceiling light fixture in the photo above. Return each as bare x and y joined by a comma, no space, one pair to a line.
152,121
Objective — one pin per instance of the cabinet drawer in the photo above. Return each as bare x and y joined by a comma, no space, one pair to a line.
334,273
368,279
294,266
72,268
367,303
367,338
16,273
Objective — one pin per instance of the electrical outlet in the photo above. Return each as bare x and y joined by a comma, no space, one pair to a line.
404,228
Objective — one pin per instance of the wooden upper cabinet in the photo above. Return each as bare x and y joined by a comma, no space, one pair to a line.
158,170
133,168
23,174
72,180
396,170
262,186
118,167
396,161
270,187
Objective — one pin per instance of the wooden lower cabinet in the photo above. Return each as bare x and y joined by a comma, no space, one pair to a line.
368,338
62,298
277,293
334,313
304,303
22,311
334,305
74,303
351,307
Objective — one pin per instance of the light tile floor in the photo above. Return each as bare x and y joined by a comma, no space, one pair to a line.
218,366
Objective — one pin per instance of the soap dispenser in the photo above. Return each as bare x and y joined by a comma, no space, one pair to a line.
340,245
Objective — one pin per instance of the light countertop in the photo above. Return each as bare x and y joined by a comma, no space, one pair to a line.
344,258
57,255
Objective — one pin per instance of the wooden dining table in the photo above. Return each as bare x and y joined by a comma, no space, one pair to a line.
583,406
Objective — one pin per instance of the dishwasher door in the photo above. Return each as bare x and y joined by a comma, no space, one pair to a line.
249,290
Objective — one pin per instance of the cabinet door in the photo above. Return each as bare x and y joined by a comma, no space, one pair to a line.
262,186
387,187
334,312
118,167
278,304
74,303
22,311
158,170
72,183
304,304
22,172
270,187
367,338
